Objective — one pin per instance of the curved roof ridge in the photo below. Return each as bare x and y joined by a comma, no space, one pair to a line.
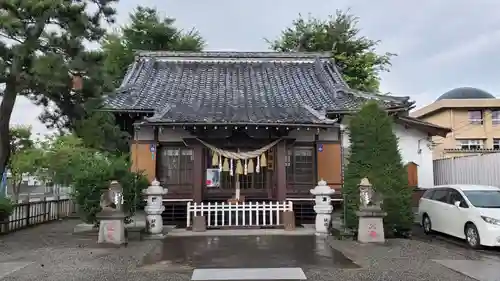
234,55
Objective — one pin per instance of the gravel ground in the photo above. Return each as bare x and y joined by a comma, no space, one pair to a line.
56,255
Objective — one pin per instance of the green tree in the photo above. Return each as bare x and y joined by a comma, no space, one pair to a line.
354,54
67,161
20,138
40,41
147,31
23,162
374,154
24,157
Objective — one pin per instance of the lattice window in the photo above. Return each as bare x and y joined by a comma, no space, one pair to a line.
175,166
299,164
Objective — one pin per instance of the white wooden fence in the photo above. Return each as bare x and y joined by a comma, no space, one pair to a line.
481,169
223,214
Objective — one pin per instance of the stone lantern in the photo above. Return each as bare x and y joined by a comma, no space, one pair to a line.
322,206
154,208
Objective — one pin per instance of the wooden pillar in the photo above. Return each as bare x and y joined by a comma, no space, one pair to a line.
198,172
280,170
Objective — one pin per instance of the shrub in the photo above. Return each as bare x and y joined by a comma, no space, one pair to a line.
374,154
6,208
96,175
68,161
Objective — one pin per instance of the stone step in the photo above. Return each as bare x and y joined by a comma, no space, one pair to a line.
248,274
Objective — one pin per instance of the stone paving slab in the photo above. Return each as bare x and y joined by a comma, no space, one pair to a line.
248,274
485,270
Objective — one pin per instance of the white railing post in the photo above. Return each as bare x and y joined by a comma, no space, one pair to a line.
253,213
216,214
188,218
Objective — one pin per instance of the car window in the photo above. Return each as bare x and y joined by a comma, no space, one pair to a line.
484,198
428,194
440,195
456,196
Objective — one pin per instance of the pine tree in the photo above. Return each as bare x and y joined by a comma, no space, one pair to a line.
374,154
41,41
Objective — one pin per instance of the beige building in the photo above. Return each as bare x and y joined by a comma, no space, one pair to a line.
474,118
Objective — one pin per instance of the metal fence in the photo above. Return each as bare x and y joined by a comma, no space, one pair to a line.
30,213
480,169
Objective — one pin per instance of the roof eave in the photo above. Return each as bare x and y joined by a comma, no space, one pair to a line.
268,124
427,127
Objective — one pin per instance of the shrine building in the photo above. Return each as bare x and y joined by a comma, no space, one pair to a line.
250,126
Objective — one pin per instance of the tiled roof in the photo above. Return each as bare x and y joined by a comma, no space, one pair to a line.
235,87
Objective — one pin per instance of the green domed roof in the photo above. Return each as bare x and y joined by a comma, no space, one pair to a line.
466,93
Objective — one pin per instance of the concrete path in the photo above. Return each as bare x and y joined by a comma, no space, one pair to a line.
485,270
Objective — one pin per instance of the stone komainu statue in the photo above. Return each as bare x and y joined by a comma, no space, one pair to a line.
112,198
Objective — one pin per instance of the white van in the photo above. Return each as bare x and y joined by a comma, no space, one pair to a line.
470,212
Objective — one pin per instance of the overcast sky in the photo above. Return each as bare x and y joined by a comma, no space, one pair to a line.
441,44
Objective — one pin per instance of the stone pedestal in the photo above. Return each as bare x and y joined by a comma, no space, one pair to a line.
154,208
199,224
111,228
371,225
322,207
289,220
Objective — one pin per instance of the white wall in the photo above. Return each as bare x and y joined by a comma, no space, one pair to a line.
414,147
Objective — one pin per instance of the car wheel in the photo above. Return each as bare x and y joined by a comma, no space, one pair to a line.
472,236
427,224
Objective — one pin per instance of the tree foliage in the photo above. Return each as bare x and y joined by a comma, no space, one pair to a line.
67,161
354,54
24,157
20,139
41,41
374,154
147,31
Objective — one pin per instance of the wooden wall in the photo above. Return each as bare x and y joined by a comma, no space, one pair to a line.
143,160
329,163
412,170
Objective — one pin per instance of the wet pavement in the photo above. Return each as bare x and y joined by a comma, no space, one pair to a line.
51,252
264,251
453,243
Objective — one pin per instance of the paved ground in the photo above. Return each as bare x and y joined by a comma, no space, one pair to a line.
51,252
452,243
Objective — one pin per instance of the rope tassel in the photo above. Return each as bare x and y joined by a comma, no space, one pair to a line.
263,160
215,159
239,167
220,163
257,167
250,167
